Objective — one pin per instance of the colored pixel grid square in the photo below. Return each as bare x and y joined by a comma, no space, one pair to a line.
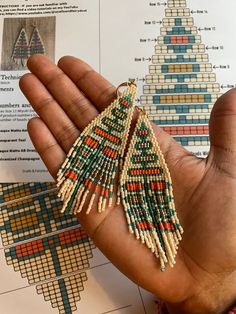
33,217
63,293
9,192
52,256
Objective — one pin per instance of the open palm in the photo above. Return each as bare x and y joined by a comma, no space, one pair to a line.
67,97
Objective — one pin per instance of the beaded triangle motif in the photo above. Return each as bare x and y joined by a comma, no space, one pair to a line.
146,190
20,52
36,43
96,157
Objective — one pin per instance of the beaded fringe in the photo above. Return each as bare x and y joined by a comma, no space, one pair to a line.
147,195
96,157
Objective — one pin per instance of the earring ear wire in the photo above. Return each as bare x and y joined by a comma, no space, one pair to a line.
125,84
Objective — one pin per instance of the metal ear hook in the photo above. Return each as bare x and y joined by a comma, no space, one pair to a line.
23,23
125,84
34,24
141,110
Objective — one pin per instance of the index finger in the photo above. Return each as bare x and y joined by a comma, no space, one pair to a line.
100,91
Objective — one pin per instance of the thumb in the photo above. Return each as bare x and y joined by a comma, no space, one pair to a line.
222,128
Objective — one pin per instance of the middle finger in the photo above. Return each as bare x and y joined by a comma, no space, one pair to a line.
76,105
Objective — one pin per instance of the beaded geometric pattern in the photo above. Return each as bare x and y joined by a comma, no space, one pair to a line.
52,252
96,156
32,217
69,287
36,44
50,249
180,88
20,52
146,190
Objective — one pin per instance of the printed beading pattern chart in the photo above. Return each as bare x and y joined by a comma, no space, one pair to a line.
180,89
32,217
69,287
9,192
48,248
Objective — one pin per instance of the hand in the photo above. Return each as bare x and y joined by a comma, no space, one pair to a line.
67,97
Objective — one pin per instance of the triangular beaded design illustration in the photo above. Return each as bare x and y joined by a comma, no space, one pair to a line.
147,195
20,52
180,88
97,156
49,249
36,43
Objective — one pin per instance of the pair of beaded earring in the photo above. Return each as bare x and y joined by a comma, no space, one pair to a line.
144,184
24,48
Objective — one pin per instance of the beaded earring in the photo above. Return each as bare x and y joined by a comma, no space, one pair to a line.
97,156
36,43
147,195
20,53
